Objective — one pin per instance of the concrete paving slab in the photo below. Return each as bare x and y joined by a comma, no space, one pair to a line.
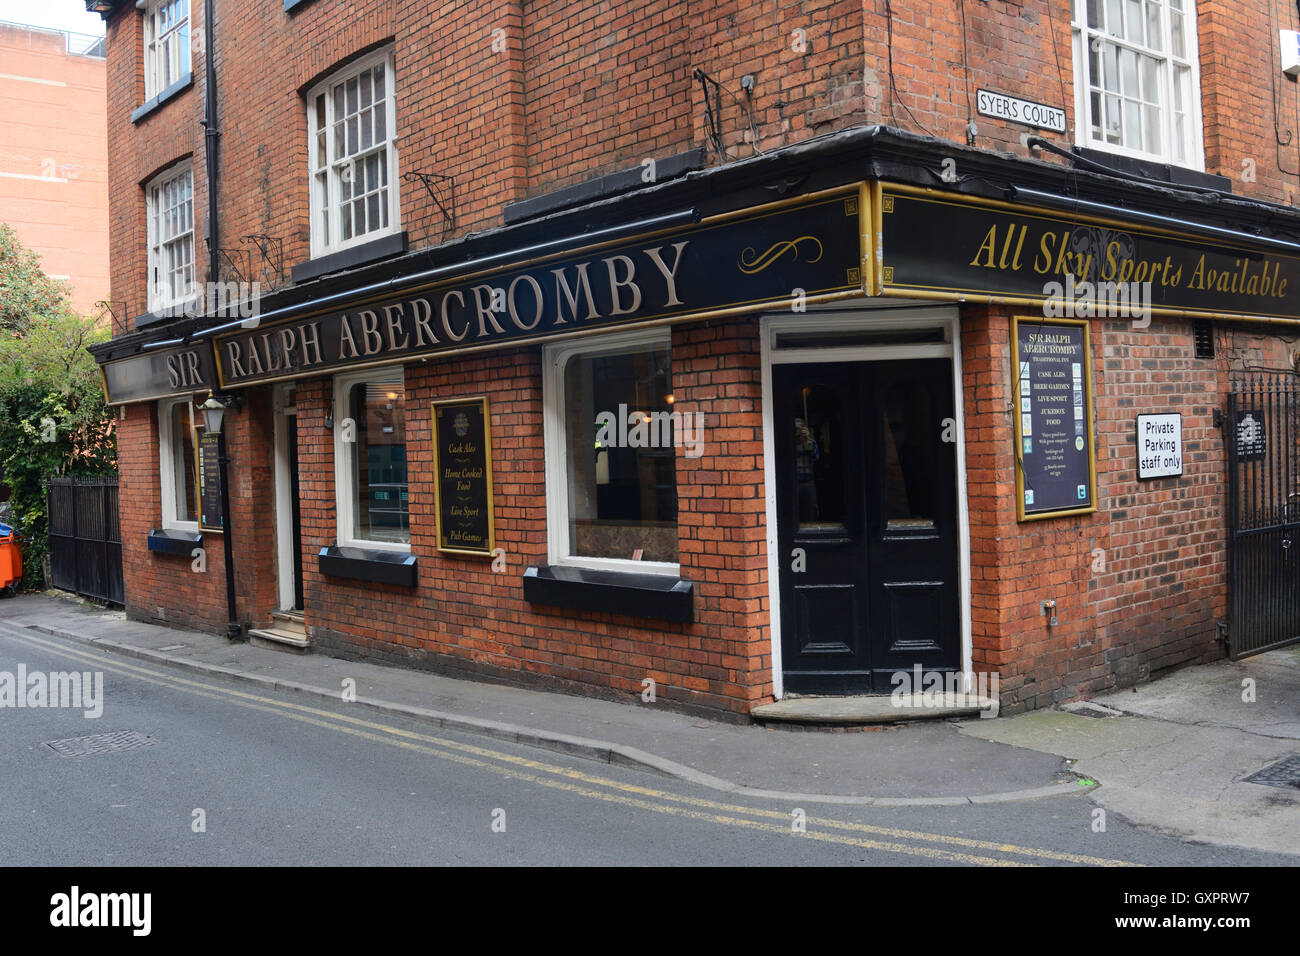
1185,780
1259,694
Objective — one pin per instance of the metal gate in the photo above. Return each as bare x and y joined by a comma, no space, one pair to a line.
85,537
1263,438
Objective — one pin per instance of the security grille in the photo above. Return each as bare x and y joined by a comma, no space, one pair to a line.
1263,439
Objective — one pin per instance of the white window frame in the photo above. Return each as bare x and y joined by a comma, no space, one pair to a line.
325,235
554,360
344,492
1195,146
168,51
158,301
167,464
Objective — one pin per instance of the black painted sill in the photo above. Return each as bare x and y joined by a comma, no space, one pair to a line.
173,541
367,252
662,597
363,564
147,107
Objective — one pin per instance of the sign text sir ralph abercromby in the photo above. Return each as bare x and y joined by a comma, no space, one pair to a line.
809,251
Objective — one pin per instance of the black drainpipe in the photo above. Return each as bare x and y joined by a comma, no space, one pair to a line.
234,630
210,133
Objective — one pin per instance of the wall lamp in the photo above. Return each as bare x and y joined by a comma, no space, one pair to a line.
214,409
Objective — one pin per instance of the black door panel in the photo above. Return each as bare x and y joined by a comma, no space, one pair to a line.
867,522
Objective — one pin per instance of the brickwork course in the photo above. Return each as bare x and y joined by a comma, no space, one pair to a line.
515,101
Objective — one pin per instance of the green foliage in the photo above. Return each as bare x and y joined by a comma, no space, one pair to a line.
53,420
26,293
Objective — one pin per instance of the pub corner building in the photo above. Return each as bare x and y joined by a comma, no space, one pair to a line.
793,424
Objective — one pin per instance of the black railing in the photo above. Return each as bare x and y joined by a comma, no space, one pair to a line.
1263,438
85,537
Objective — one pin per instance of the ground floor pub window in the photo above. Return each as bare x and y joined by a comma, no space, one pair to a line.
611,465
370,460
177,460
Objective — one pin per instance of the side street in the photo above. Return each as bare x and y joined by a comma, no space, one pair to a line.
1151,759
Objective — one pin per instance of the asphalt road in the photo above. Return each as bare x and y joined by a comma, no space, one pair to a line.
279,778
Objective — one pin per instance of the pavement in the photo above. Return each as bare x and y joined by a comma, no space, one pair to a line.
928,764
1172,756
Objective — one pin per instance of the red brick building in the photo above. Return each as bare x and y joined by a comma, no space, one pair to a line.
752,351
54,155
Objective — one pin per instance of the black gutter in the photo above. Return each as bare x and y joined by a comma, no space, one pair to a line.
1072,205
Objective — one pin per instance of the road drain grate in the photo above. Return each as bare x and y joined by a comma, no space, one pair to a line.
1284,773
100,743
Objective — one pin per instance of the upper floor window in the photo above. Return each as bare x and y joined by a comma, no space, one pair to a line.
166,44
1137,83
353,156
170,204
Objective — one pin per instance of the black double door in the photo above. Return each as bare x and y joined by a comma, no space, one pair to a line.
866,490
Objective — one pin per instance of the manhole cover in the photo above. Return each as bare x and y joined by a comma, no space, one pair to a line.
100,743
1284,773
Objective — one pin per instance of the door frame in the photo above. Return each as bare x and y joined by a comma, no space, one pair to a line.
284,539
872,316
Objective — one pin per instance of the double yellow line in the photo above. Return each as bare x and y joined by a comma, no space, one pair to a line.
931,846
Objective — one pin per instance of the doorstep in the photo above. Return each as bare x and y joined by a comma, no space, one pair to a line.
288,632
870,709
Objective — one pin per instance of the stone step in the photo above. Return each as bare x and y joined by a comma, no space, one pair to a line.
279,639
290,620
871,709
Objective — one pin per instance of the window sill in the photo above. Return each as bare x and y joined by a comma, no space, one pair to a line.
290,5
364,564
393,244
174,541
659,596
173,91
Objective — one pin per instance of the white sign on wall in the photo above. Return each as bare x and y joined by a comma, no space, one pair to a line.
1021,111
1160,445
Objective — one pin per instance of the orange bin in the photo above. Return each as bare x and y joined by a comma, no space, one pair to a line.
11,560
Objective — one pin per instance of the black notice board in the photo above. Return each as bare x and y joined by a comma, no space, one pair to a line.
462,464
208,453
1052,386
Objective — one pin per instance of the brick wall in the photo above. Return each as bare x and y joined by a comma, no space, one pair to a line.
54,150
515,99
165,587
465,618
1141,583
